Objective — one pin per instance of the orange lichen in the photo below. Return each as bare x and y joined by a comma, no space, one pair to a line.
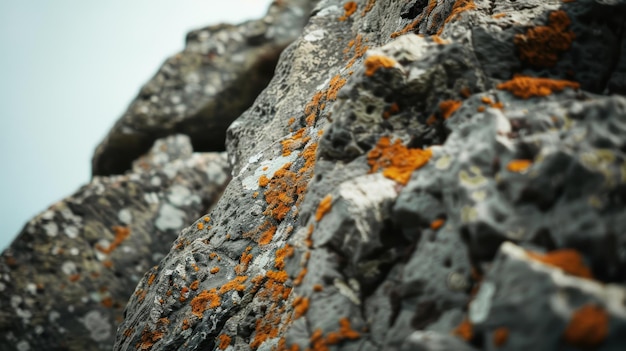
335,84
519,165
392,110
464,330
195,267
527,87
185,325
151,279
437,39
148,338
588,327
324,207
244,261
279,276
207,219
121,234
300,306
345,333
291,121
437,223
199,303
183,293
200,226
569,260
459,7
194,286
300,277
107,302
540,46
448,107
281,254
500,336
74,277
397,161
224,341
294,142
255,194
466,92
359,49
368,7
263,180
214,270
411,26
318,287
481,108
349,8
374,62
267,235
235,284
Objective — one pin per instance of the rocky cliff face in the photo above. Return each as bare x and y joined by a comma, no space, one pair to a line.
418,175
66,278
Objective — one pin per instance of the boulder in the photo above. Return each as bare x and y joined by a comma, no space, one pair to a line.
418,175
66,278
201,90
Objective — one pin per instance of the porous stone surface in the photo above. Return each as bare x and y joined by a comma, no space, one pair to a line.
65,280
201,90
418,175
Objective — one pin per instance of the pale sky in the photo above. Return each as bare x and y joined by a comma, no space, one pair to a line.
68,69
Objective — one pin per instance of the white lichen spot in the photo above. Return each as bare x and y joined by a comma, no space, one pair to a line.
443,163
39,330
69,268
2,286
31,288
481,305
97,324
315,35
23,346
179,196
74,251
51,229
48,215
267,168
155,181
346,291
457,281
53,316
71,231
170,218
151,198
125,216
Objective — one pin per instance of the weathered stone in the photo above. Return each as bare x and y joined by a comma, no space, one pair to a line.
66,278
376,192
201,90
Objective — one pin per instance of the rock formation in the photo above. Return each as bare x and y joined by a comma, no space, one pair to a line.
417,175
201,90
66,278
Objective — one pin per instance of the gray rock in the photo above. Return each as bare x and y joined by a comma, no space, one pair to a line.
201,90
373,189
65,279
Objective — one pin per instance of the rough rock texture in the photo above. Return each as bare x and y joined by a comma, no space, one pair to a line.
418,175
201,90
65,279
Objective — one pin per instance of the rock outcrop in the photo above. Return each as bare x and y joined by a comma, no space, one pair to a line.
418,175
66,278
201,90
